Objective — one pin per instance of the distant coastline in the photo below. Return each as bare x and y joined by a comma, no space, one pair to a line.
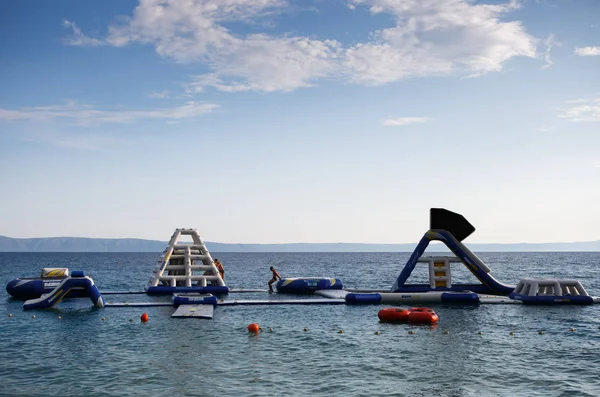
82,244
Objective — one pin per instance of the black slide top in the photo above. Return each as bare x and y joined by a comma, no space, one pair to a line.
458,225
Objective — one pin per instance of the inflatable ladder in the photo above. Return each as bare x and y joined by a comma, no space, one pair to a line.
440,274
186,265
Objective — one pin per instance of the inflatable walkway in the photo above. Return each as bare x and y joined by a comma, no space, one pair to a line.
77,281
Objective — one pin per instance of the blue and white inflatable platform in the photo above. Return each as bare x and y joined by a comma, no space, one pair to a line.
76,281
307,285
34,287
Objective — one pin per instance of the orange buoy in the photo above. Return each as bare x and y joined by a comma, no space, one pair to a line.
393,314
422,315
144,317
253,328
415,315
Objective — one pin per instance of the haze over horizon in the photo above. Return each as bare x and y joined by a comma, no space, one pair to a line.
280,121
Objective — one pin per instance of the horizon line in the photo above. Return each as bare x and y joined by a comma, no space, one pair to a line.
288,243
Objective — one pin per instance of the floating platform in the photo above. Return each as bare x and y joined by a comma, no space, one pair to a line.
137,304
34,287
197,311
332,293
551,292
194,299
109,292
307,285
283,302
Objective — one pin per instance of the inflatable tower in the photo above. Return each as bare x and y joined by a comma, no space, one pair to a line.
186,267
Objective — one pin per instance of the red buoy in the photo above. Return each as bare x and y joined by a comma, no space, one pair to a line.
393,314
422,315
253,328
144,317
415,315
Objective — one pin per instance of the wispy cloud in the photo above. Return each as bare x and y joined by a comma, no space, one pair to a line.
86,115
69,140
587,51
430,37
160,95
78,38
543,129
549,43
402,121
582,110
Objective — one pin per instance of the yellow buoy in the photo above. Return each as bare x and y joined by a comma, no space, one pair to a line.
341,331
411,332
445,332
377,333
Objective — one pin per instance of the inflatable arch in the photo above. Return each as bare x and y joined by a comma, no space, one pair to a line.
450,228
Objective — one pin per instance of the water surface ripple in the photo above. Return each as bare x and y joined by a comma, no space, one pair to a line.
85,355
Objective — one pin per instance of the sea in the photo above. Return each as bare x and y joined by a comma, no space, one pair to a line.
475,350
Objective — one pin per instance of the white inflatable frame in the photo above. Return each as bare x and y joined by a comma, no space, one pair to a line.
186,265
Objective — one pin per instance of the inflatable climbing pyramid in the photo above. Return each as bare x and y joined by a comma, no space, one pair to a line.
186,267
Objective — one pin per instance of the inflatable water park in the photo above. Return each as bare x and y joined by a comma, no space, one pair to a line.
189,278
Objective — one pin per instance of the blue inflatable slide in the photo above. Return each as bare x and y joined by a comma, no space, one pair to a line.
77,281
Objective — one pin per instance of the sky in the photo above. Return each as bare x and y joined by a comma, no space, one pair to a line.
274,121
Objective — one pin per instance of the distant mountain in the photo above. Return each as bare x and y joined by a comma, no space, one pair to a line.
82,244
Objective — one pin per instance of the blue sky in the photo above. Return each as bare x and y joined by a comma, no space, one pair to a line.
268,121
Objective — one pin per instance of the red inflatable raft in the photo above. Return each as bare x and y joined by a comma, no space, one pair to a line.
415,315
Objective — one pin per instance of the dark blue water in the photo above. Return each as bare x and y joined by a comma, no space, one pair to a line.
85,355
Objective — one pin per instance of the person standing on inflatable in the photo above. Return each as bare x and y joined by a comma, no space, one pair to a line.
274,279
220,268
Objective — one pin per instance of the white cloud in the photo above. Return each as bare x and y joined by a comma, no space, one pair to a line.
78,38
587,51
582,110
191,31
430,37
402,121
87,115
433,37
543,129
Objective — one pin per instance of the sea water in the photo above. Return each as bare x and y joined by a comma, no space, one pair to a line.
110,352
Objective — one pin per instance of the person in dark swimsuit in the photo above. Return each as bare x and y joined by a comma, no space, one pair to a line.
220,268
274,279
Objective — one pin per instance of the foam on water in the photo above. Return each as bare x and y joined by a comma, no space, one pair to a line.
81,354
